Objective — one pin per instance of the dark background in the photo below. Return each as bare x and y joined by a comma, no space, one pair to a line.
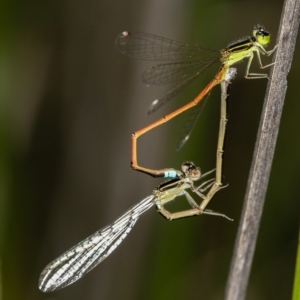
69,103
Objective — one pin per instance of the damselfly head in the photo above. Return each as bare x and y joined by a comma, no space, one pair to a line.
261,35
191,171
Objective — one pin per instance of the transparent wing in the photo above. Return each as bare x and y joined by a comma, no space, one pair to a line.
190,123
151,47
170,72
86,255
157,103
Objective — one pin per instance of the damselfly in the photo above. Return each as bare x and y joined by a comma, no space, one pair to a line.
83,257
80,259
187,62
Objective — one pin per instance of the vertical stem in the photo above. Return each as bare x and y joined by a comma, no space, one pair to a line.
263,154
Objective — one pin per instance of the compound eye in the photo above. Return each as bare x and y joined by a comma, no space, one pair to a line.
195,174
191,171
262,36
185,167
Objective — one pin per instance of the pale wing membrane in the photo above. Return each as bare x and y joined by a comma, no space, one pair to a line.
157,103
151,47
86,255
190,123
170,72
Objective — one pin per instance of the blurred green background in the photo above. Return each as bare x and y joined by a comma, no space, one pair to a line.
69,103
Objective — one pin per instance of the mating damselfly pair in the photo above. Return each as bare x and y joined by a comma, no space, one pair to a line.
83,257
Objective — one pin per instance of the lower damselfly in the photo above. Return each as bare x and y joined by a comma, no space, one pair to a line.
86,255
80,259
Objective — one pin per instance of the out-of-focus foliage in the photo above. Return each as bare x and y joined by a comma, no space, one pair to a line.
69,103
